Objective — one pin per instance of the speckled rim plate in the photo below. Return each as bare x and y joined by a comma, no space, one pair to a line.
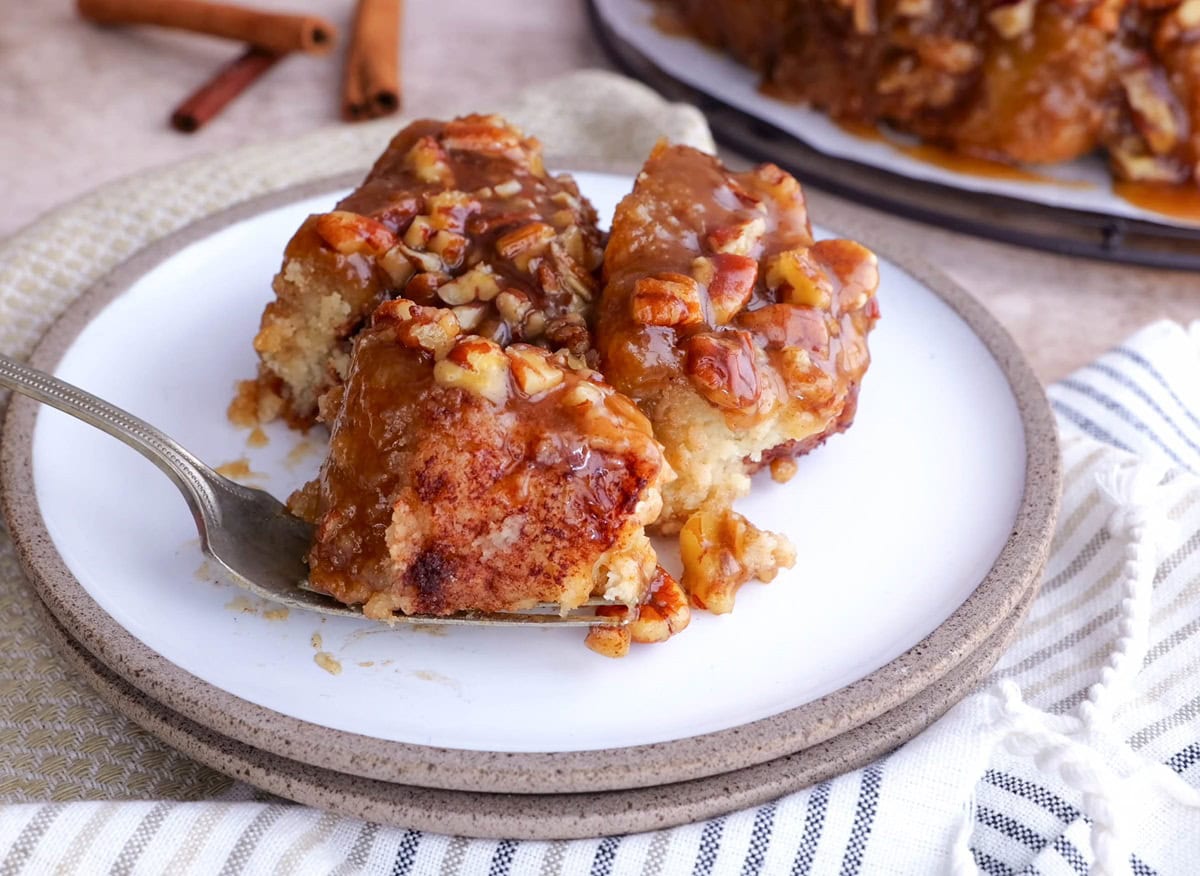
1013,575
540,816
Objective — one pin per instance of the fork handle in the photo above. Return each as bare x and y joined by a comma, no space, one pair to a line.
193,478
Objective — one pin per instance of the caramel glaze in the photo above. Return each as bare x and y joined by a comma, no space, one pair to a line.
682,202
394,195
444,502
1180,202
474,155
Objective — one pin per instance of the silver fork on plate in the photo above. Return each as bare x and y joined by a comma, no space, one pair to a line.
247,531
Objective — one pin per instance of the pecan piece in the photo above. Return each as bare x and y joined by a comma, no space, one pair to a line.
350,233
667,299
721,551
665,613
721,366
428,162
533,369
433,329
740,238
785,325
477,365
730,280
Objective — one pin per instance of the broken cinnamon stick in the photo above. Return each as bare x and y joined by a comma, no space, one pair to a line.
275,32
371,85
204,104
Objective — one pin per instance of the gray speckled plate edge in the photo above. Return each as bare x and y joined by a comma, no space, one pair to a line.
1014,573
539,816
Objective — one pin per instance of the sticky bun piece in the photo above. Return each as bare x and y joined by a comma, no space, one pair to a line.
1034,81
466,476
741,338
460,215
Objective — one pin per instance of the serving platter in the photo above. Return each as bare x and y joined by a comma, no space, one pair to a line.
920,532
1071,208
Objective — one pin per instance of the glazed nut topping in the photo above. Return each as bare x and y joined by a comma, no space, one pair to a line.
449,246
488,134
721,366
449,210
730,279
428,162
664,614
522,244
476,365
1153,107
1012,18
470,315
477,284
514,306
798,279
667,299
721,550
785,325
533,369
433,329
398,267
741,238
350,233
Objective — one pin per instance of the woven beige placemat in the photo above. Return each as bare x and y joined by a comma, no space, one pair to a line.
58,741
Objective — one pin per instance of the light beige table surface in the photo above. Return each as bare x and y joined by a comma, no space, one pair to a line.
80,106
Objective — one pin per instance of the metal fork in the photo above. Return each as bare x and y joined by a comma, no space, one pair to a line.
248,532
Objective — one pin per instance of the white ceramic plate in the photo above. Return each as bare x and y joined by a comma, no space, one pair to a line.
896,523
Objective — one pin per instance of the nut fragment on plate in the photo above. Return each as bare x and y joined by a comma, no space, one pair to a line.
463,476
455,214
742,339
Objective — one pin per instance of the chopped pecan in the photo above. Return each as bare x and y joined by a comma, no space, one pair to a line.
785,325
1012,18
740,238
350,233
665,612
667,299
1155,109
533,369
721,366
721,551
730,280
432,329
428,162
477,284
799,278
522,244
476,365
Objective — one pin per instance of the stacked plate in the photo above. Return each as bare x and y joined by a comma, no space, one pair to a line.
921,535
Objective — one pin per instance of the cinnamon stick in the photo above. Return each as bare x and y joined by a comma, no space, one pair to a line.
209,99
371,85
275,32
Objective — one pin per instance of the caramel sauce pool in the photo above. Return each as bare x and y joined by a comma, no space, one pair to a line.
1177,201
956,162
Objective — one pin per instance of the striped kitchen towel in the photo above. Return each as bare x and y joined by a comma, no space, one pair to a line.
1079,754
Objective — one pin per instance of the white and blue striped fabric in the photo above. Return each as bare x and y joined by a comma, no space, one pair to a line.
983,790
